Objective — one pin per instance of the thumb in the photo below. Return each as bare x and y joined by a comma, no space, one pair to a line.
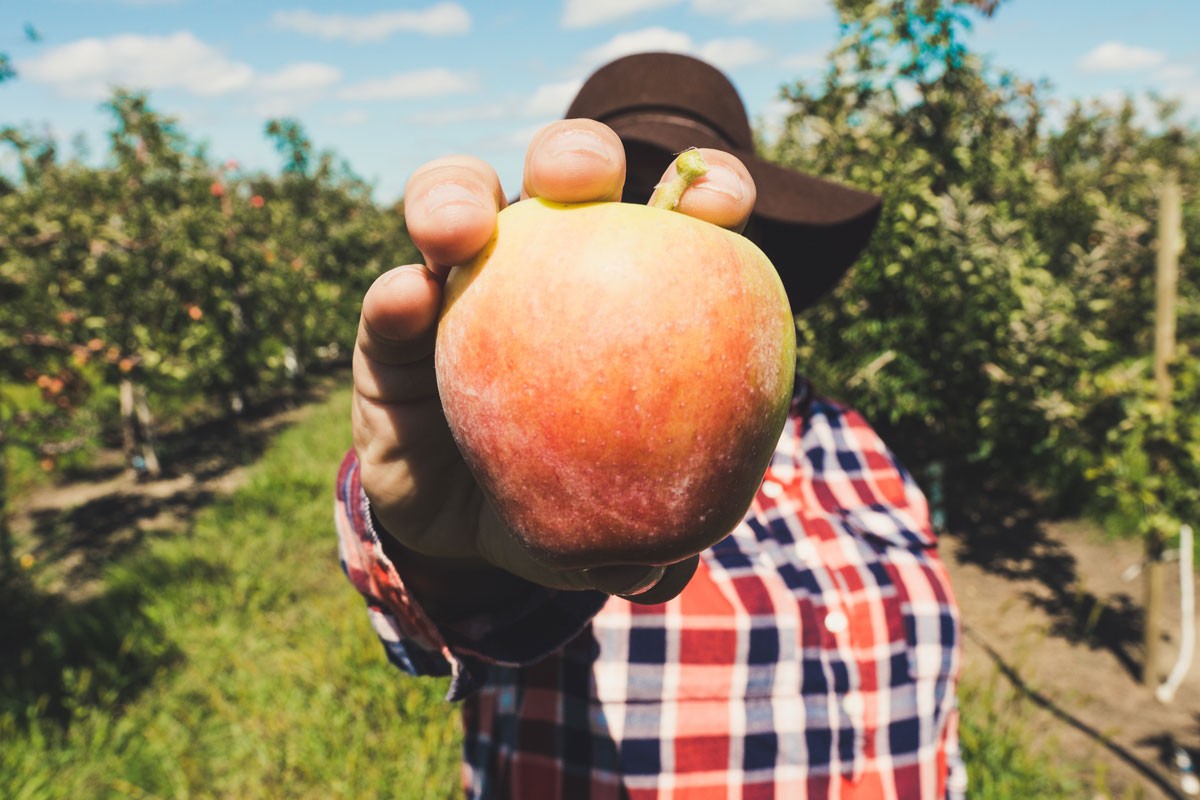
641,584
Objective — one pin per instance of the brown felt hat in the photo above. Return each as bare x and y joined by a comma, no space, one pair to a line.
664,103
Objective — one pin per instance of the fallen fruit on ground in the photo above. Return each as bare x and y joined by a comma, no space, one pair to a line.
617,377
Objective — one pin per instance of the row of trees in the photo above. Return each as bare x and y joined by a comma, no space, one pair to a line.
164,275
1004,313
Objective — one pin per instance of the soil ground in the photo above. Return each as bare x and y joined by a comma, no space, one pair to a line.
1054,610
1049,612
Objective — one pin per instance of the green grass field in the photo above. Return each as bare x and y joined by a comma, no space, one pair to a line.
231,659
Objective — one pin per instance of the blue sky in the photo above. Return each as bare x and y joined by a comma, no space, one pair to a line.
390,85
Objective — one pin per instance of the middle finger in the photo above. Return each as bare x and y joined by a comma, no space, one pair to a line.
574,161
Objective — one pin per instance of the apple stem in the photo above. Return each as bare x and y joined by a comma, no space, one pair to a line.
688,167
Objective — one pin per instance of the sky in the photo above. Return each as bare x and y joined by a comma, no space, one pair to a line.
389,85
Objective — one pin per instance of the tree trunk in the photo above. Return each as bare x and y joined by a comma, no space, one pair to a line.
128,424
146,427
7,557
137,431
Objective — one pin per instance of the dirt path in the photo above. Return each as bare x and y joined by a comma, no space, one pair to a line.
1051,614
74,527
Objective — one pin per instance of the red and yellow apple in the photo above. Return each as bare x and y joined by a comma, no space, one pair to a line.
616,377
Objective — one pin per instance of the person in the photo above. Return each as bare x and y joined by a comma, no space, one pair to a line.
814,652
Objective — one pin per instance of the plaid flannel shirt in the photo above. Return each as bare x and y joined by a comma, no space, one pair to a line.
815,654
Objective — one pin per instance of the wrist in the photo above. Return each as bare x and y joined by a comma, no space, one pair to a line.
451,589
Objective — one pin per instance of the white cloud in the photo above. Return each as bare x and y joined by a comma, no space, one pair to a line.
520,138
1177,81
724,53
548,101
355,116
1175,73
294,88
643,41
586,13
763,10
89,68
772,122
552,99
1189,96
457,116
300,77
443,19
433,82
1119,57
732,53
9,162
809,61
272,106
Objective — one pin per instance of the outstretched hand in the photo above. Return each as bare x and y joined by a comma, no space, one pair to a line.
420,489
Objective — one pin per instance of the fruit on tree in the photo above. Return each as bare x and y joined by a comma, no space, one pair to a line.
616,377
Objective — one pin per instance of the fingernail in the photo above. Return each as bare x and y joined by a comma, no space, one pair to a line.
647,583
448,194
625,580
721,180
578,142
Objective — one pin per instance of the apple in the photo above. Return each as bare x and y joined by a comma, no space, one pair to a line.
616,377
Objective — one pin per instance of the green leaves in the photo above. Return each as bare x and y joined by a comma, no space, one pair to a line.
1010,281
199,280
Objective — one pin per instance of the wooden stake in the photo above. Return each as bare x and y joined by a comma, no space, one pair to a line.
146,427
137,430
1170,244
7,558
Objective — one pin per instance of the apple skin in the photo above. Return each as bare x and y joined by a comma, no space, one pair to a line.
616,377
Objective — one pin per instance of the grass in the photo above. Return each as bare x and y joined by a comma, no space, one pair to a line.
996,733
231,659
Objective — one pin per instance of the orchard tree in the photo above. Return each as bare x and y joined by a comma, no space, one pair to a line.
1003,314
1012,268
334,239
163,280
922,321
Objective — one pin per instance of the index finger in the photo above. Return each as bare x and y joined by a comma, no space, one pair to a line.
450,207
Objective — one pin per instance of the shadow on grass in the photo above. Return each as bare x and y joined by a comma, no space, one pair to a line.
61,656
82,537
1001,530
210,448
90,641
1143,768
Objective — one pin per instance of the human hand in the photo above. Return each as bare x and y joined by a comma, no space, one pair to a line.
421,491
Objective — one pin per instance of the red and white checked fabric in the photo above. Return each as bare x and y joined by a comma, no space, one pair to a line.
814,655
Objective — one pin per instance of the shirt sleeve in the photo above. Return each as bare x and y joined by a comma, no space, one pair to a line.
537,623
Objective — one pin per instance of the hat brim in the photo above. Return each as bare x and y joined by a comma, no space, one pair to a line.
811,229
